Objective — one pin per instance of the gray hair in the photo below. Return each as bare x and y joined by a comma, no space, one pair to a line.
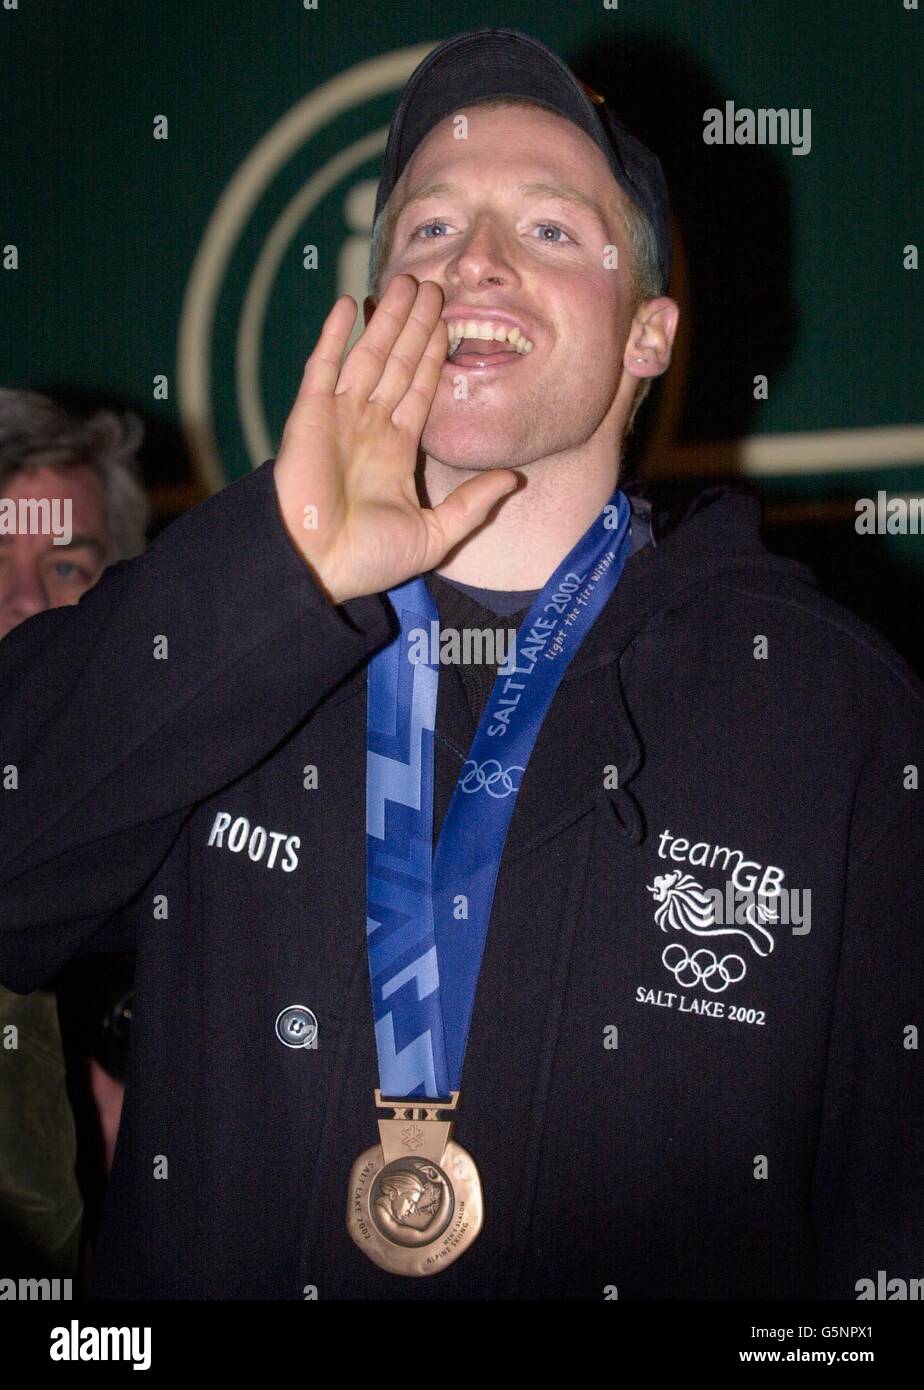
36,432
647,281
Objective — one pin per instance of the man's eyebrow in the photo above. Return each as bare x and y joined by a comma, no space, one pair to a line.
428,191
78,542
75,543
564,192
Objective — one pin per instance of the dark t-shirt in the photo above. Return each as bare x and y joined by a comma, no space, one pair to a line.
466,605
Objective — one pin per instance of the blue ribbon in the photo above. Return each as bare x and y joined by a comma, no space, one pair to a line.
427,914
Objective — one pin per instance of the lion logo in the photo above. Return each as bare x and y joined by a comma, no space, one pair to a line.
684,905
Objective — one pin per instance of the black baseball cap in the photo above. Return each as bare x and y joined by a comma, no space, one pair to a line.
483,63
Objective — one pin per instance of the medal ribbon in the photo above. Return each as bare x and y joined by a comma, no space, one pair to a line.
427,914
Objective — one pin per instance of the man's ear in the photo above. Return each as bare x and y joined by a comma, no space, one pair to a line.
651,338
369,307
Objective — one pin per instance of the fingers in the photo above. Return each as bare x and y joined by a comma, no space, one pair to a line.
423,326
367,361
464,510
412,410
323,366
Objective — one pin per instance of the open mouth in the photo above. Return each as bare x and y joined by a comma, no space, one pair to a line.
485,343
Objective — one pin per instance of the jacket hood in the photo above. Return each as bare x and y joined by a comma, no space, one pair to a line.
719,532
716,536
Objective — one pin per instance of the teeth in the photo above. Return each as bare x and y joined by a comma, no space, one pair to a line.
487,329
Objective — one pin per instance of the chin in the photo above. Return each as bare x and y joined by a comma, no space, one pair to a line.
462,438
457,445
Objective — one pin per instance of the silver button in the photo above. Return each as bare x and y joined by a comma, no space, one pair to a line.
297,1026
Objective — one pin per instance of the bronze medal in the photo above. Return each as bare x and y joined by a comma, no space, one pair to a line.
415,1201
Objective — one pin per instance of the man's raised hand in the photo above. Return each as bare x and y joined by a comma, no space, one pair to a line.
349,449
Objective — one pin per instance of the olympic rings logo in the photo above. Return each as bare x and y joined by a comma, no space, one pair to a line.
702,967
489,775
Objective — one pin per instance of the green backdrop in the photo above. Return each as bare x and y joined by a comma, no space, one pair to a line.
169,274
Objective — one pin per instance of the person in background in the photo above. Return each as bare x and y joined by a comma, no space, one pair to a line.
48,452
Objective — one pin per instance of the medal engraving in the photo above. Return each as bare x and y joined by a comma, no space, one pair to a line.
412,1201
415,1199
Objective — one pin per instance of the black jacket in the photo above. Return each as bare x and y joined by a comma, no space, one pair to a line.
768,1148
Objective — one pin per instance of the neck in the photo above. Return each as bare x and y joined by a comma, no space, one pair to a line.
535,527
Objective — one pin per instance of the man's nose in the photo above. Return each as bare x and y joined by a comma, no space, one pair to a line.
486,255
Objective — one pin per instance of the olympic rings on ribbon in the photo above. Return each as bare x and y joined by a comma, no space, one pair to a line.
481,777
701,967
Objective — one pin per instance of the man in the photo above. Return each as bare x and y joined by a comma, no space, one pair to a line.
663,1095
82,471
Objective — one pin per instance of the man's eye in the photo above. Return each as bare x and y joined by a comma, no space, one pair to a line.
428,227
66,569
544,227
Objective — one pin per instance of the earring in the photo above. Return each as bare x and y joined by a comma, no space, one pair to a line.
641,359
